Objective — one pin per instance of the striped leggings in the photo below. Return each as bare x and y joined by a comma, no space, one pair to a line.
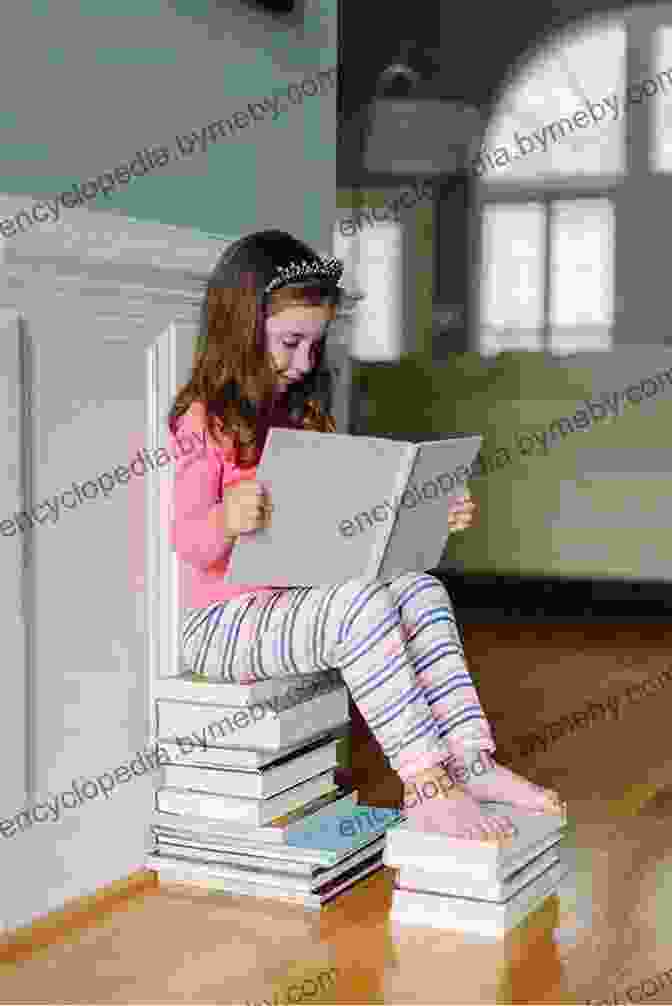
395,643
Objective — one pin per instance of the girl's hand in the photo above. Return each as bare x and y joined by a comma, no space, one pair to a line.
245,507
461,512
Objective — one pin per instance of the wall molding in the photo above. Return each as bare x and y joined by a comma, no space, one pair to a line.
94,253
79,913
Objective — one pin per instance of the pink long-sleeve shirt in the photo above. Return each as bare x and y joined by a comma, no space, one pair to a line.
200,477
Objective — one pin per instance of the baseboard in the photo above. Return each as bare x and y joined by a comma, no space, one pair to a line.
480,598
76,914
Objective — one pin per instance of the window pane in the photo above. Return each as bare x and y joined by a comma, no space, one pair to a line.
377,332
562,115
582,263
512,277
658,91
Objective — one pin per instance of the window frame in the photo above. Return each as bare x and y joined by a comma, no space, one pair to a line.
640,27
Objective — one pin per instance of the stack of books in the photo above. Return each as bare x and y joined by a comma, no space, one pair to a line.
485,888
257,810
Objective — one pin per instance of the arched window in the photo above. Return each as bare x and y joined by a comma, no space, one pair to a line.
552,158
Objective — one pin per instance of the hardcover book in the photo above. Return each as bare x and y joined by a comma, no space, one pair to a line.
373,507
486,861
265,726
473,915
276,831
242,809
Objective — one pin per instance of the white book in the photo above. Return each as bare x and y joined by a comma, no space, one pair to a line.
206,853
316,840
469,915
305,877
253,812
206,875
250,759
299,688
359,517
278,831
261,727
264,852
259,784
259,850
467,886
488,860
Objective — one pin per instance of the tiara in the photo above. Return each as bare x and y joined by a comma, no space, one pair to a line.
323,267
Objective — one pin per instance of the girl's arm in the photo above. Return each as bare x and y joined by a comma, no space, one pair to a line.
201,469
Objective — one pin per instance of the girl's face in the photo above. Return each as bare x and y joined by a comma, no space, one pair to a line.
292,338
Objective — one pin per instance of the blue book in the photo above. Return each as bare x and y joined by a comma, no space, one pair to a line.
342,833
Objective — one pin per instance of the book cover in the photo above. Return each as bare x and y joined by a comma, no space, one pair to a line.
464,885
326,532
265,869
199,751
261,784
204,875
445,911
241,808
275,831
226,693
420,531
264,726
339,832
436,852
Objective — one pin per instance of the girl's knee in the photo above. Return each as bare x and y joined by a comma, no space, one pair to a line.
365,596
409,579
362,585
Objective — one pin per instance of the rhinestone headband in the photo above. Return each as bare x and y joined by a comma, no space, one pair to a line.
324,267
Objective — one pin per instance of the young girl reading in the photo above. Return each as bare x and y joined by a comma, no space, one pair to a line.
259,363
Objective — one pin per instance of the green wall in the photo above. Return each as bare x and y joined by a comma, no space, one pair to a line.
88,84
521,526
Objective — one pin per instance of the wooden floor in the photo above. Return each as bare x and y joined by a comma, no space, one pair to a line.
609,929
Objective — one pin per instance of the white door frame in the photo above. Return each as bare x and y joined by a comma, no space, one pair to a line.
14,561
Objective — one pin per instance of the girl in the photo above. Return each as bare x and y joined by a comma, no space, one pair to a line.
264,321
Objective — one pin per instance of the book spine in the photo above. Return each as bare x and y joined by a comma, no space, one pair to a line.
385,531
203,781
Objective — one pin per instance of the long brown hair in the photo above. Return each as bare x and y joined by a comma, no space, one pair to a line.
232,374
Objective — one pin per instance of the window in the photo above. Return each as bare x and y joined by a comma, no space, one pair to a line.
512,301
551,158
374,265
562,116
581,275
547,276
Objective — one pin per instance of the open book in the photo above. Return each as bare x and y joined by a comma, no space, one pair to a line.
351,506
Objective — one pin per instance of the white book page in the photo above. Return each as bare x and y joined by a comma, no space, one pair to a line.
328,523
421,529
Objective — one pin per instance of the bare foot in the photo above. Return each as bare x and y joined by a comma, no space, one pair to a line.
449,809
501,785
